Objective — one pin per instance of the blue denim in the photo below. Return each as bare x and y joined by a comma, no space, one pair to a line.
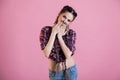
70,74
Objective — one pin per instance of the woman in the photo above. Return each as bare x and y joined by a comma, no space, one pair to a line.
58,45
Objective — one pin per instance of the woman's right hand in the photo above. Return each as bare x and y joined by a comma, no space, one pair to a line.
56,27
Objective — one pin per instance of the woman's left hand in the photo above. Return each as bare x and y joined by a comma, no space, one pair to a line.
62,30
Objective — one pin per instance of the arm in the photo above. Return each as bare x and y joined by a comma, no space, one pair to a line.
49,45
65,49
68,48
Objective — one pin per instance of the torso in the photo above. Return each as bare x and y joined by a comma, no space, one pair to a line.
69,62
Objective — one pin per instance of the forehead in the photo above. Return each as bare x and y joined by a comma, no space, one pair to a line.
68,15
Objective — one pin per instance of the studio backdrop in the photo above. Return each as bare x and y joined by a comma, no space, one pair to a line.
97,26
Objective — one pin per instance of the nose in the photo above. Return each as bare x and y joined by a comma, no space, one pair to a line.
64,21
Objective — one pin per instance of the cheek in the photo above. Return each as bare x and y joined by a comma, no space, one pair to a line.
58,19
62,19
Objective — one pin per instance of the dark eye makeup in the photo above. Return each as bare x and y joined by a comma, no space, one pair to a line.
69,20
64,16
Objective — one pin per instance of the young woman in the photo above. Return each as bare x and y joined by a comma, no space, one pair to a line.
58,45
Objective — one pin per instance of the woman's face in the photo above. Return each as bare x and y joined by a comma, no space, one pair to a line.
66,18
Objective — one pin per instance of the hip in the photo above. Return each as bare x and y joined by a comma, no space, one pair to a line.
69,74
69,63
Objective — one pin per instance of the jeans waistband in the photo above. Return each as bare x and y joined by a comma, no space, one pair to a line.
74,66
71,67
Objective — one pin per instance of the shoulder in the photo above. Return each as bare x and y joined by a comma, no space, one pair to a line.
72,32
46,28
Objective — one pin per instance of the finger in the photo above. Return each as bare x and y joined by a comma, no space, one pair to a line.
60,24
57,26
65,32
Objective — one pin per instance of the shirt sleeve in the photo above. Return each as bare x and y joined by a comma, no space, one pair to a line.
71,41
43,37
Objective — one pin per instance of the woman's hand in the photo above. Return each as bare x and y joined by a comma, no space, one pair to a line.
62,30
56,27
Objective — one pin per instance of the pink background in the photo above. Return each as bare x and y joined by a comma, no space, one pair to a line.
98,38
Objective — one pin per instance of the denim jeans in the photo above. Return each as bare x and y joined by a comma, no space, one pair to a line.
70,74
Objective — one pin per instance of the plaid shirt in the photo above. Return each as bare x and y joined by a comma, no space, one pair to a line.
56,52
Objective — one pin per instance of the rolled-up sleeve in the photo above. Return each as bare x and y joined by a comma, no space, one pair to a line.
71,41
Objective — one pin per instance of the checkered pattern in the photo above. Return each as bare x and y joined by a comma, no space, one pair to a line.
57,53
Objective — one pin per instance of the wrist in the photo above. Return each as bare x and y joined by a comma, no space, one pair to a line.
53,33
59,36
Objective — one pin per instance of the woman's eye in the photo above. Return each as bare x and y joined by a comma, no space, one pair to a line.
64,16
69,20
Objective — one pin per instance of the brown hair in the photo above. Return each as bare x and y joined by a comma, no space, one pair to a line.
67,9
